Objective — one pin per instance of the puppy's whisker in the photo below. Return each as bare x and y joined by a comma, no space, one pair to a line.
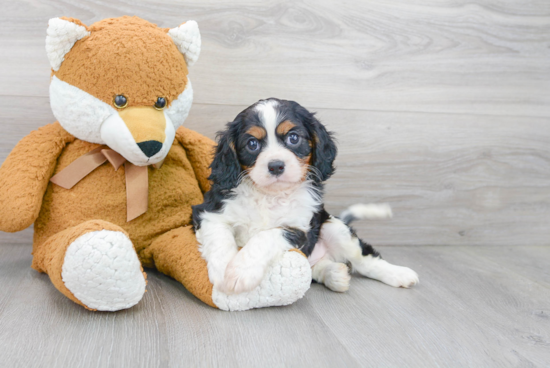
314,172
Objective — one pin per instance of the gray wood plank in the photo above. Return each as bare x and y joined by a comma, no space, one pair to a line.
469,310
169,327
491,57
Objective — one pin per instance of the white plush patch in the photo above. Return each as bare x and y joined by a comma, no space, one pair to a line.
61,37
188,40
116,135
90,119
371,211
78,112
179,108
286,281
102,270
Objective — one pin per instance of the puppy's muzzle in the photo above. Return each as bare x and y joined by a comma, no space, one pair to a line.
276,167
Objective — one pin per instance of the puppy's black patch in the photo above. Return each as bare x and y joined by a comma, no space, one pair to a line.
367,249
318,219
295,237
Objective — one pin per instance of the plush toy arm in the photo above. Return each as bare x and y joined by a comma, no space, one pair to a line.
200,151
25,174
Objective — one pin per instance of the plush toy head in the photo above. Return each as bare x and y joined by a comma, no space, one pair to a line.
122,82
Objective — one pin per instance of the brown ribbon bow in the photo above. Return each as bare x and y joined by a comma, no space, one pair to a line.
137,178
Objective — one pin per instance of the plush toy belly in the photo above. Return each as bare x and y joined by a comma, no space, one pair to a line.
173,189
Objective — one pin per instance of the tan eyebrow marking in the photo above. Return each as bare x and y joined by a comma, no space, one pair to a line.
257,132
285,127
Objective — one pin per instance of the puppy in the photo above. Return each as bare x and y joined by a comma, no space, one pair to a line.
267,197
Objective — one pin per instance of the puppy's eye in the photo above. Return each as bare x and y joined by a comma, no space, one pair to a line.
161,103
253,144
120,101
292,139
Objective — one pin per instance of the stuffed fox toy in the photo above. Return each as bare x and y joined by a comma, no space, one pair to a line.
110,185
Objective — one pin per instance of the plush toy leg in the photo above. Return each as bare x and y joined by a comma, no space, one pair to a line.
176,254
94,264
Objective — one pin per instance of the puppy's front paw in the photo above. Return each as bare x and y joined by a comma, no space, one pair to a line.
400,277
216,271
240,278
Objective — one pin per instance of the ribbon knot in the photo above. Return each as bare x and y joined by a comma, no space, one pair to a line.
137,178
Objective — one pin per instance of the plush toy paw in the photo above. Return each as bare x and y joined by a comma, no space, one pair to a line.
284,282
102,270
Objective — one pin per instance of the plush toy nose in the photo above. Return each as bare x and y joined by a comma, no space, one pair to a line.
147,126
150,148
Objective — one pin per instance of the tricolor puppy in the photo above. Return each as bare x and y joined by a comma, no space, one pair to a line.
267,198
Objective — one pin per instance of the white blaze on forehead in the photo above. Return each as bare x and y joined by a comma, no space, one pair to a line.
270,118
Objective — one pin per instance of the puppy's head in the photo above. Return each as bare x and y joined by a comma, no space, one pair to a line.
278,144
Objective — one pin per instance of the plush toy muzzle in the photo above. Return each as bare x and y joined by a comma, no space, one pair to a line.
142,135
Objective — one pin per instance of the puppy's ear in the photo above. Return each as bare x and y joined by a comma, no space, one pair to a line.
324,149
323,144
225,166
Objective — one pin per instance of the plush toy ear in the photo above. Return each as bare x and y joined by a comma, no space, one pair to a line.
188,40
62,35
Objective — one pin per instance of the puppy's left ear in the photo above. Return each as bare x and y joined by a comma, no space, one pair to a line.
324,149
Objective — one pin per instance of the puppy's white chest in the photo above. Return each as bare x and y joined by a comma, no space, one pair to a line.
251,211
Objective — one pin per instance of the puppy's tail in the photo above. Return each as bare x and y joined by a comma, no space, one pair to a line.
371,211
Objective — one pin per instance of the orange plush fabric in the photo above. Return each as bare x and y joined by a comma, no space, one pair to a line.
25,173
173,189
162,237
128,56
176,254
49,256
133,57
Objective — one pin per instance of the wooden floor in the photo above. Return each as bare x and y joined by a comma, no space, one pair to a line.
475,306
440,108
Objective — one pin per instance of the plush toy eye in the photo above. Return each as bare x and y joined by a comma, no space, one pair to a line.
120,101
253,144
160,104
292,139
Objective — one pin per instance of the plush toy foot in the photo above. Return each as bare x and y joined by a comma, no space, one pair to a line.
102,270
177,255
286,281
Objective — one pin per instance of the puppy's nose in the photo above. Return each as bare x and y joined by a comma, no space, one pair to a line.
150,148
276,167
